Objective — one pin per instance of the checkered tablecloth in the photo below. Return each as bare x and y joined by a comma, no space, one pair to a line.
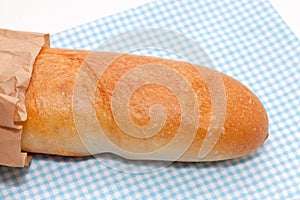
245,39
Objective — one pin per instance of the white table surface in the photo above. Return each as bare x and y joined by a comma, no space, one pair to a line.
52,16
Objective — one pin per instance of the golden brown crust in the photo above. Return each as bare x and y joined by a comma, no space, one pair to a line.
50,126
246,122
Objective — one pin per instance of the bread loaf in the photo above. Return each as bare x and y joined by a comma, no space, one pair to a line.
52,126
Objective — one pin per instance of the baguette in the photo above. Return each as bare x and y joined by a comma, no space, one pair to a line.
51,125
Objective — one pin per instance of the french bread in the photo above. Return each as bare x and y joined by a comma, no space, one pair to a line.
51,125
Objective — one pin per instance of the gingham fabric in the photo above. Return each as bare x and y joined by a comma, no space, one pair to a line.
245,39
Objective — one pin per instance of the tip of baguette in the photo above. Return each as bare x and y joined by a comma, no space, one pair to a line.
246,123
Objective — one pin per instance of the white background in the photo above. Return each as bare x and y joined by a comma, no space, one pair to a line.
51,16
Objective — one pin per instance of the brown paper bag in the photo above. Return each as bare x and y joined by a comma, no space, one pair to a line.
18,51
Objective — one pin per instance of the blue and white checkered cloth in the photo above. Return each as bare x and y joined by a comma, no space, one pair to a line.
245,39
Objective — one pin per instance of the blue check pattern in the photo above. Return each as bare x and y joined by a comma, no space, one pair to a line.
245,39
